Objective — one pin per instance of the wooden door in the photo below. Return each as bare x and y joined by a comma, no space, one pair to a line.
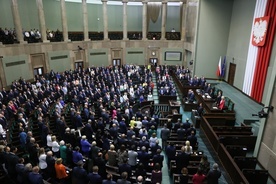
231,74
38,62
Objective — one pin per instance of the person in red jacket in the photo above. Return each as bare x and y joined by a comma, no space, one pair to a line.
221,103
199,177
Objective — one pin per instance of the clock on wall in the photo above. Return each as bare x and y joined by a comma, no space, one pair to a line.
153,53
259,31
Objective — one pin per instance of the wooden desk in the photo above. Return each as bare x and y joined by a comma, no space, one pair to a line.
174,106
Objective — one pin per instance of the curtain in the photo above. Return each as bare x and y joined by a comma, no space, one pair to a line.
153,10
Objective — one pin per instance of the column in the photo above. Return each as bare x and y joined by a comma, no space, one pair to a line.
64,21
42,23
164,19
85,21
183,23
144,33
125,20
105,23
17,22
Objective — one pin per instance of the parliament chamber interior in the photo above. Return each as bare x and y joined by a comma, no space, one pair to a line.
137,91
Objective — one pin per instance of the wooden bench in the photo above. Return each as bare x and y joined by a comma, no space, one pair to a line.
176,179
230,165
256,176
246,162
220,120
236,150
242,140
164,99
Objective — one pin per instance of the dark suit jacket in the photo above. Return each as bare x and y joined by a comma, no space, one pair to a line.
125,168
11,161
79,175
35,178
108,182
213,176
95,178
122,181
182,160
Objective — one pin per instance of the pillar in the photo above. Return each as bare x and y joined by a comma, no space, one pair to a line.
85,21
144,33
17,22
183,23
164,19
125,20
64,21
105,23
42,23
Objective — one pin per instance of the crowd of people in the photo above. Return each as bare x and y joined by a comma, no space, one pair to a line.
100,129
8,36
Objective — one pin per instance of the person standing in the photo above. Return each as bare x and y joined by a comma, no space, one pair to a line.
199,177
213,175
165,134
61,174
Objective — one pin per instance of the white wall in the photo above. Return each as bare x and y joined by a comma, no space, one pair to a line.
239,37
212,37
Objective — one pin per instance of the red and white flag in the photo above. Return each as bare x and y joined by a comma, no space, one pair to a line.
219,67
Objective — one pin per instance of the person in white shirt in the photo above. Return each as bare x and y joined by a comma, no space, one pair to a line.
49,140
55,146
42,159
152,140
139,123
150,97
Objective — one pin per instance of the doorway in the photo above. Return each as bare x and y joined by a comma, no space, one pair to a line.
116,62
78,65
231,74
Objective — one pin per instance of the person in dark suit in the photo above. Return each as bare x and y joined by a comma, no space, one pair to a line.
182,160
125,167
123,179
158,158
144,143
35,177
79,174
213,175
78,121
20,169
100,162
187,124
170,151
11,161
165,134
88,131
51,171
181,133
108,180
144,156
177,125
94,177
193,139
199,110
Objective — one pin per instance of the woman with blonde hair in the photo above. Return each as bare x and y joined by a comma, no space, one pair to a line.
188,148
60,170
55,146
42,160
112,156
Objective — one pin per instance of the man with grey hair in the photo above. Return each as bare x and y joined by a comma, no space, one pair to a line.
213,175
